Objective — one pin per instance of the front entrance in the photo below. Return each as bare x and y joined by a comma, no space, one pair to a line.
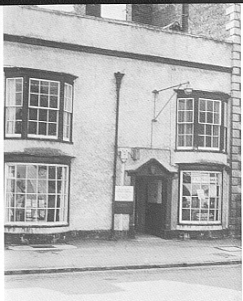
150,209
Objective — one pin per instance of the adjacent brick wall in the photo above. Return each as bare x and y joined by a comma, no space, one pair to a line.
233,28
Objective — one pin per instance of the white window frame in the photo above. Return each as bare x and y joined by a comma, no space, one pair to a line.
211,124
8,106
67,112
44,108
194,222
64,195
192,123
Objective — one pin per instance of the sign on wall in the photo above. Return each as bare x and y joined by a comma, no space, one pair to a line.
124,193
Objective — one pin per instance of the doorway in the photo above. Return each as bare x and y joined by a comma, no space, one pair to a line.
150,206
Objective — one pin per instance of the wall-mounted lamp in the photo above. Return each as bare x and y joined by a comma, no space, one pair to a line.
187,90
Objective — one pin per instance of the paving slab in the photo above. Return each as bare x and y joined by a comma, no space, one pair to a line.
142,252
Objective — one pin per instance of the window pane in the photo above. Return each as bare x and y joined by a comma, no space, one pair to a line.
32,114
34,100
186,177
42,128
185,215
181,104
188,140
34,86
32,128
216,106
216,119
202,117
53,88
189,104
181,128
189,116
202,105
180,140
53,102
52,130
43,101
43,115
52,116
44,87
208,141
210,106
181,116
209,117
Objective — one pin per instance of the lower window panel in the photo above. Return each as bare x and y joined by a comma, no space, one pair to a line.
36,193
200,197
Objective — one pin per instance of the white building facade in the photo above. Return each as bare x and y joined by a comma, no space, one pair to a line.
62,89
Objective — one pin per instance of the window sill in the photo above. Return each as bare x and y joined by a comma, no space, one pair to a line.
203,150
36,225
38,139
199,227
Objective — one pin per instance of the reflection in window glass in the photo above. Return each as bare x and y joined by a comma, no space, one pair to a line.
36,193
200,197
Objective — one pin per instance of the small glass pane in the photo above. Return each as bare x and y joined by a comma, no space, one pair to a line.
211,215
216,118
53,88
18,99
202,105
180,140
208,141
52,116
42,128
53,102
215,142
189,128
206,190
200,141
41,214
181,128
52,130
19,85
21,171
189,116
212,203
189,104
34,100
185,202
185,215
204,203
186,190
34,86
42,186
195,215
204,215
42,172
18,127
202,117
32,114
44,87
216,106
210,117
188,140
59,172
51,186
32,171
52,172
44,101
210,105
186,177
195,188
181,104
195,202
43,115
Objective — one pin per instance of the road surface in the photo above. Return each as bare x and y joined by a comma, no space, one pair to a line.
216,283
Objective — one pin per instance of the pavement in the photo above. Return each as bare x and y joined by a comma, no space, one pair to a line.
143,252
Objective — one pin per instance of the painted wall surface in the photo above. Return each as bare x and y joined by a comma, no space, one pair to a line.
95,98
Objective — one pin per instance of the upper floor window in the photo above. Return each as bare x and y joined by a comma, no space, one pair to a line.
38,105
201,122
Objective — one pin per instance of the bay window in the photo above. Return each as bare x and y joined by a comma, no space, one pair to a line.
36,193
200,197
38,104
202,121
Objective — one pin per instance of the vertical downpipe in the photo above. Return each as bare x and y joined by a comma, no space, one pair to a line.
118,77
184,17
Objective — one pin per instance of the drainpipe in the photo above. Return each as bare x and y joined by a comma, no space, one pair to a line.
184,17
118,77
